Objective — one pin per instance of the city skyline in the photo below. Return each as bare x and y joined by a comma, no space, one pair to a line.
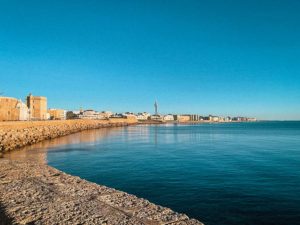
239,59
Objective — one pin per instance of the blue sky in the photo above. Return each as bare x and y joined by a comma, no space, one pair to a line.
208,57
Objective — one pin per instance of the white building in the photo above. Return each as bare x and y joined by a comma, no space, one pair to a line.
221,119
57,114
143,116
157,117
24,112
228,119
214,118
91,114
169,117
106,114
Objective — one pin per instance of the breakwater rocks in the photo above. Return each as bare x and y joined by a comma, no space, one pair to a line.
15,135
32,193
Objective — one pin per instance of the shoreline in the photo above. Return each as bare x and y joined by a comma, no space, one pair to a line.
155,122
15,135
35,193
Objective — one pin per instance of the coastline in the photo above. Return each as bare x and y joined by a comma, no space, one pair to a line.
14,135
35,193
154,122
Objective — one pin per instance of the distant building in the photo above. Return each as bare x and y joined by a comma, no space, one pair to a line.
239,119
106,114
71,115
57,114
243,119
236,119
196,117
228,119
169,117
91,114
129,115
214,118
37,106
183,118
117,115
206,118
12,109
155,108
156,117
221,119
88,114
143,116
125,117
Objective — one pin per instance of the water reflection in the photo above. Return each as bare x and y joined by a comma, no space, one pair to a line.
38,152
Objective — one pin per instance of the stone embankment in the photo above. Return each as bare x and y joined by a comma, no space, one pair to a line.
14,135
32,193
35,193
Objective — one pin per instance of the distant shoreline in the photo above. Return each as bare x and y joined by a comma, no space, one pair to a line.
192,122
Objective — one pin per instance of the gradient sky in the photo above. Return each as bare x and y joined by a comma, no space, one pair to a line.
223,57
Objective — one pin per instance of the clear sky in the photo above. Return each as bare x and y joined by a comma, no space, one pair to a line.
223,57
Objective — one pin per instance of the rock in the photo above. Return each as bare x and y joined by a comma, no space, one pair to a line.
40,194
15,135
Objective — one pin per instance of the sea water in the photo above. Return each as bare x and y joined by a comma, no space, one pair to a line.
229,173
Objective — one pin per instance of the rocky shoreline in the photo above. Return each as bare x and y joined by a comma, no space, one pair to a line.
14,135
35,193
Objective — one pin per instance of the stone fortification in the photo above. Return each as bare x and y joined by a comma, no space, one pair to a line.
12,109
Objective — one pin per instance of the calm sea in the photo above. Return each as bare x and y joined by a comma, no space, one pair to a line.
235,173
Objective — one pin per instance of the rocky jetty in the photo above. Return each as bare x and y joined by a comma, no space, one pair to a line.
14,135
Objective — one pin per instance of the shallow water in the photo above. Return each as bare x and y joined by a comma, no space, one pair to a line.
235,173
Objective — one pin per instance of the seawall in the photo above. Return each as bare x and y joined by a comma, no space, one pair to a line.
14,135
35,193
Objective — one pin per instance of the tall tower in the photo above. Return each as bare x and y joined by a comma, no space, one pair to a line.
37,106
156,108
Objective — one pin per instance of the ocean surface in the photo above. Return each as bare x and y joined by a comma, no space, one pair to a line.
234,173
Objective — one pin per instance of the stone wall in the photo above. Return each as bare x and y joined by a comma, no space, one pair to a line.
17,134
8,109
